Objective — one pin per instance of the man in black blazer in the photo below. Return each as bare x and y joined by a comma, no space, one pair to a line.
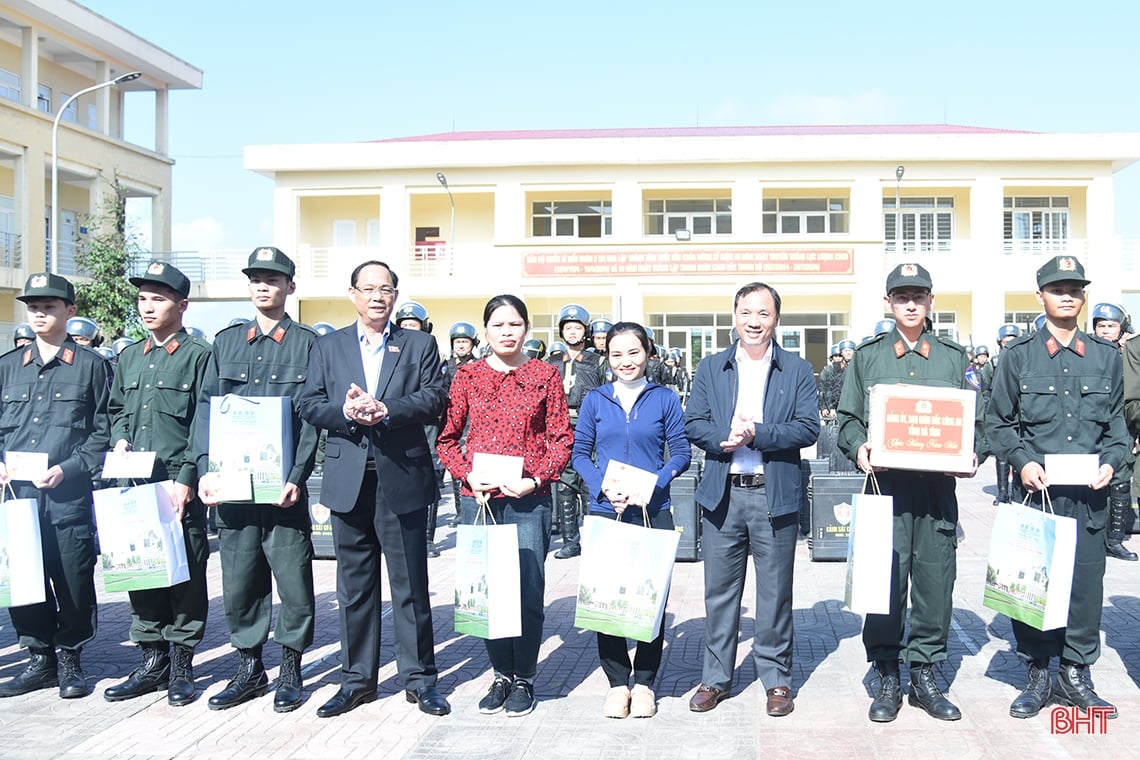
372,386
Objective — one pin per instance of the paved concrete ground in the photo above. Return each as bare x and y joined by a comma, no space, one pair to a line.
831,681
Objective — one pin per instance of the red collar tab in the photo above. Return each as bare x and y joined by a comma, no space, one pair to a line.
251,334
924,349
68,356
172,346
27,356
1079,347
1052,346
147,346
278,334
900,349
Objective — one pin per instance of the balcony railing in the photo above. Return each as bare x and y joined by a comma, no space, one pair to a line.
10,253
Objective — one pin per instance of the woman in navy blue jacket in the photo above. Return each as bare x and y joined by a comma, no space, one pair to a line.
636,422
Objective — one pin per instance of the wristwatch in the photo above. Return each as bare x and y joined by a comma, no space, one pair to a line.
537,482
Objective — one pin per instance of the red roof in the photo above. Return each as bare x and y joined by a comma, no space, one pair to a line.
762,131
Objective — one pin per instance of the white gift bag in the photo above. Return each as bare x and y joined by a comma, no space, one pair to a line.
251,446
141,539
870,552
21,554
488,588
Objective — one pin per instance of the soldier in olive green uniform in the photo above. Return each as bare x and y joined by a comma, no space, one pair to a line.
1061,391
260,543
53,400
925,504
153,402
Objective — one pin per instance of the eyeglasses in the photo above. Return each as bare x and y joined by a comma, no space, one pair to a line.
902,297
384,291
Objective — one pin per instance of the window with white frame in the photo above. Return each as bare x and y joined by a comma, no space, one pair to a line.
43,98
344,233
71,113
945,324
1036,223
92,116
805,216
920,224
697,216
9,85
576,219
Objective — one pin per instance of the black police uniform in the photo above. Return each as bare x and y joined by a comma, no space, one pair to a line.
1053,399
260,543
579,377
58,407
153,403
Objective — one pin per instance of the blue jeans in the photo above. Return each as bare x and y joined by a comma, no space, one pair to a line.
518,657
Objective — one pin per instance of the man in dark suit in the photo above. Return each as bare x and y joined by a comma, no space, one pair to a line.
753,407
373,386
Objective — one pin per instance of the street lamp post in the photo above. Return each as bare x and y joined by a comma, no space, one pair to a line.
451,237
54,230
900,170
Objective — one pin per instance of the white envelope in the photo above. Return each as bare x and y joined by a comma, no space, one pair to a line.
1072,469
127,464
636,483
232,486
496,468
26,465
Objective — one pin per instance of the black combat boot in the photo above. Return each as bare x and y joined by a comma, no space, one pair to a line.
924,693
887,702
153,675
1038,692
1074,688
40,673
1119,515
571,539
432,514
1002,481
288,695
72,681
182,689
250,682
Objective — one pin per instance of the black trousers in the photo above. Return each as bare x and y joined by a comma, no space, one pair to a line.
359,538
613,651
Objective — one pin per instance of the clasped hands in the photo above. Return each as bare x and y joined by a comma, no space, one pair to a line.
740,434
362,408
513,489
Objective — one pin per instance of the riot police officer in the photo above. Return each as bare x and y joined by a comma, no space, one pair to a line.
581,372
829,386
413,316
599,329
84,331
1112,323
1009,486
535,348
23,335
464,339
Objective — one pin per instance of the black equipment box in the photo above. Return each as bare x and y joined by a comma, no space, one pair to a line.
809,467
687,513
830,497
322,521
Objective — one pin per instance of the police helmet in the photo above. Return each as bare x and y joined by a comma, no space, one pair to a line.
982,350
106,353
1008,330
1112,313
120,343
675,354
464,330
658,351
835,351
323,328
865,339
535,348
23,331
237,321
884,326
416,311
600,326
195,332
572,312
846,345
557,348
84,327
1039,322
649,332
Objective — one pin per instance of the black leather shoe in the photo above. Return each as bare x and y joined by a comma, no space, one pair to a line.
287,697
153,675
345,701
429,700
250,682
39,674
924,693
885,706
181,690
1037,693
1074,688
72,680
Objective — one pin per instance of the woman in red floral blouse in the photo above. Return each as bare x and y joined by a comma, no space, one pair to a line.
510,405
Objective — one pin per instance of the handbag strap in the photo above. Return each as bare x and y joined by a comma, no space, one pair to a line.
1046,502
8,492
870,478
484,513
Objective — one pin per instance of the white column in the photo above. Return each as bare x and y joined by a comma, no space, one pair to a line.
102,100
510,214
747,205
29,66
162,121
987,249
866,223
394,226
627,216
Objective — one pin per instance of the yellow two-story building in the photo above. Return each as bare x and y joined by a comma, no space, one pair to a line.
661,226
50,52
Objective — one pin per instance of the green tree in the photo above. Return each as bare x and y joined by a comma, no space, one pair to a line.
105,259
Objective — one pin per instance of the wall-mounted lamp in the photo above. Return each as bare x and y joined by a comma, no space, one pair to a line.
683,235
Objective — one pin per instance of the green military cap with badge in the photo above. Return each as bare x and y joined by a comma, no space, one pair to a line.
47,285
1061,269
161,273
270,259
908,276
